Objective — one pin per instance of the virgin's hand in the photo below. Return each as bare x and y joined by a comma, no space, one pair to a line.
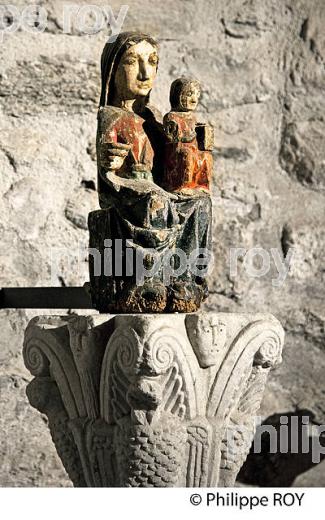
112,155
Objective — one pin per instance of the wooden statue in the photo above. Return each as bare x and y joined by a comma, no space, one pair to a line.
153,233
188,158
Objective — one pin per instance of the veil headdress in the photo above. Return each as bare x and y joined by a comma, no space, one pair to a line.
111,57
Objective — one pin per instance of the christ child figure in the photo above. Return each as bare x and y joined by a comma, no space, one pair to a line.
188,157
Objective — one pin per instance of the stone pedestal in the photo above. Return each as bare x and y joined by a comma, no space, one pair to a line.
151,400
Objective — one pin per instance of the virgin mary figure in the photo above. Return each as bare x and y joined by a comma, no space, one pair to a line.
155,239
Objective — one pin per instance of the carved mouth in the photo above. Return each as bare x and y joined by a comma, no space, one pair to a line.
144,85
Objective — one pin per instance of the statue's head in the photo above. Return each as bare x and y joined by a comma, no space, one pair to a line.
184,94
129,67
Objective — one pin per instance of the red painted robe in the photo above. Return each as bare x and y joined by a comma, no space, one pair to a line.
185,165
126,127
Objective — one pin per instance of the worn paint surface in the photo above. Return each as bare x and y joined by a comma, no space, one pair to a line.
186,166
142,170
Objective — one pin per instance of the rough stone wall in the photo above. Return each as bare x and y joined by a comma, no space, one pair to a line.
262,67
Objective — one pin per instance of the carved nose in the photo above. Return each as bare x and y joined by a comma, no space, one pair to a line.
143,72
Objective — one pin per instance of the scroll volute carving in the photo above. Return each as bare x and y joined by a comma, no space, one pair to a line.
155,404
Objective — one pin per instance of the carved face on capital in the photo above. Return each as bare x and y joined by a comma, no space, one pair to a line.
136,70
207,335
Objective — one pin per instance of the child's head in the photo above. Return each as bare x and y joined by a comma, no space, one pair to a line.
184,94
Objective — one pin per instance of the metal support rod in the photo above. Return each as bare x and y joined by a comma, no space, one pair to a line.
45,298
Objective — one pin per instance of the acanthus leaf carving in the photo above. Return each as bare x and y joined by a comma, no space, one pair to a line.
140,405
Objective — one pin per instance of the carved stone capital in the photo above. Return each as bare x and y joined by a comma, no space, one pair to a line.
151,400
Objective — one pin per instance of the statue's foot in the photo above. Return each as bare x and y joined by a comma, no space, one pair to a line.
186,296
149,297
203,287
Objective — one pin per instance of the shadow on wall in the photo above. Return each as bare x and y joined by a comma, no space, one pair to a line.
265,469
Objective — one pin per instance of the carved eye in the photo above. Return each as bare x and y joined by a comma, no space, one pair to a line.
153,60
129,61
